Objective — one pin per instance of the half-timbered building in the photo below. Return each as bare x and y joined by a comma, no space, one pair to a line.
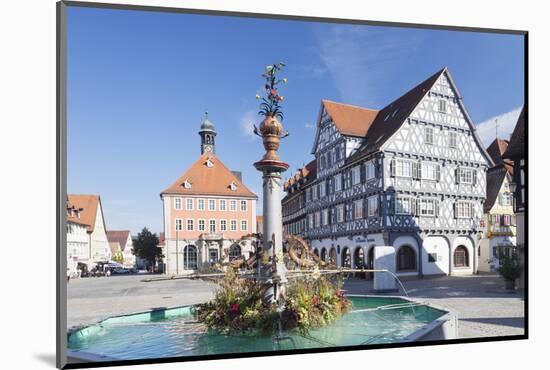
410,175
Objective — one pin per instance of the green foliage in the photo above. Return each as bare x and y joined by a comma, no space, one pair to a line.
146,246
118,257
510,268
238,306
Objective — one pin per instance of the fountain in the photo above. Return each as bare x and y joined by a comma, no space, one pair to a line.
264,287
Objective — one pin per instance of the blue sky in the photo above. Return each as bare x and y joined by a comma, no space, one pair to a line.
139,84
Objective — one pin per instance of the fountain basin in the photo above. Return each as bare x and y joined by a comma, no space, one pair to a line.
174,332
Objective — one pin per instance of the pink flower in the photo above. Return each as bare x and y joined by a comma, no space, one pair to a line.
234,308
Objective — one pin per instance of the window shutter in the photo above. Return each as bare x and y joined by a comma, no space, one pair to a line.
376,168
500,202
419,170
436,207
342,181
363,172
438,172
414,206
457,175
474,177
392,167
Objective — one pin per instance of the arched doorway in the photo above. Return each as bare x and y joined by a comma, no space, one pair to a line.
190,257
324,255
406,259
316,252
346,257
461,257
359,258
234,252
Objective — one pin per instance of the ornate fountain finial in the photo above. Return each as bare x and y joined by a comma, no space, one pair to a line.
271,129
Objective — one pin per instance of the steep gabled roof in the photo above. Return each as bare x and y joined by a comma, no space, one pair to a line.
89,204
390,118
496,151
495,177
516,148
307,173
118,236
350,120
209,176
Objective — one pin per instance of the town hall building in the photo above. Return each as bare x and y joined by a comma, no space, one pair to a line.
410,176
209,214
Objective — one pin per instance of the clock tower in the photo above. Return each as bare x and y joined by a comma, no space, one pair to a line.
207,133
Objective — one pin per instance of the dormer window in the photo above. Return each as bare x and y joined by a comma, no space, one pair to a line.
209,163
233,186
187,184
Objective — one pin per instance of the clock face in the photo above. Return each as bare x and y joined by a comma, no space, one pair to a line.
208,148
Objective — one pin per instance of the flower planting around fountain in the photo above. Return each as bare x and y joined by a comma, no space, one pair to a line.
311,301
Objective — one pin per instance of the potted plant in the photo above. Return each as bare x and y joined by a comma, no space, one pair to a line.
510,270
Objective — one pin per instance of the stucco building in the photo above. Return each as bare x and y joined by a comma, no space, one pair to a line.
207,211
85,210
498,223
410,176
121,240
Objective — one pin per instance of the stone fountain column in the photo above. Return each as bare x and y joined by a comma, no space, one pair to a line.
272,270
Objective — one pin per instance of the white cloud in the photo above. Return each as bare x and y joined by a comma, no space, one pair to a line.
246,124
360,59
506,123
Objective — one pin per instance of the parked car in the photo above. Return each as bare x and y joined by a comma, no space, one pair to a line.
120,270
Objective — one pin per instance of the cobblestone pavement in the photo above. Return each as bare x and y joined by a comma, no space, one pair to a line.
90,300
483,306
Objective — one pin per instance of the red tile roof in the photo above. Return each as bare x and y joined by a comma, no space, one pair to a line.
204,180
118,236
496,151
89,204
349,119
516,148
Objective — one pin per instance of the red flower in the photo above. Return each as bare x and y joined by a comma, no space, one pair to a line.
315,300
235,308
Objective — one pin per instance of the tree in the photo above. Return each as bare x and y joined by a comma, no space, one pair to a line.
146,247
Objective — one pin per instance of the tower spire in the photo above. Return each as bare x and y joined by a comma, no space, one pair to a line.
207,133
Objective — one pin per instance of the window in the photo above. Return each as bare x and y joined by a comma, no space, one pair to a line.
190,257
406,259
211,204
358,213
234,252
223,225
243,205
324,215
322,189
466,176
189,204
430,171
372,206
338,182
310,221
464,209
355,175
233,225
212,255
461,256
429,207
401,168
177,203
340,213
429,135
179,224
371,170
200,205
505,199
452,139
223,205
190,225
212,226
233,205
442,106
202,226
403,206
317,219
244,225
